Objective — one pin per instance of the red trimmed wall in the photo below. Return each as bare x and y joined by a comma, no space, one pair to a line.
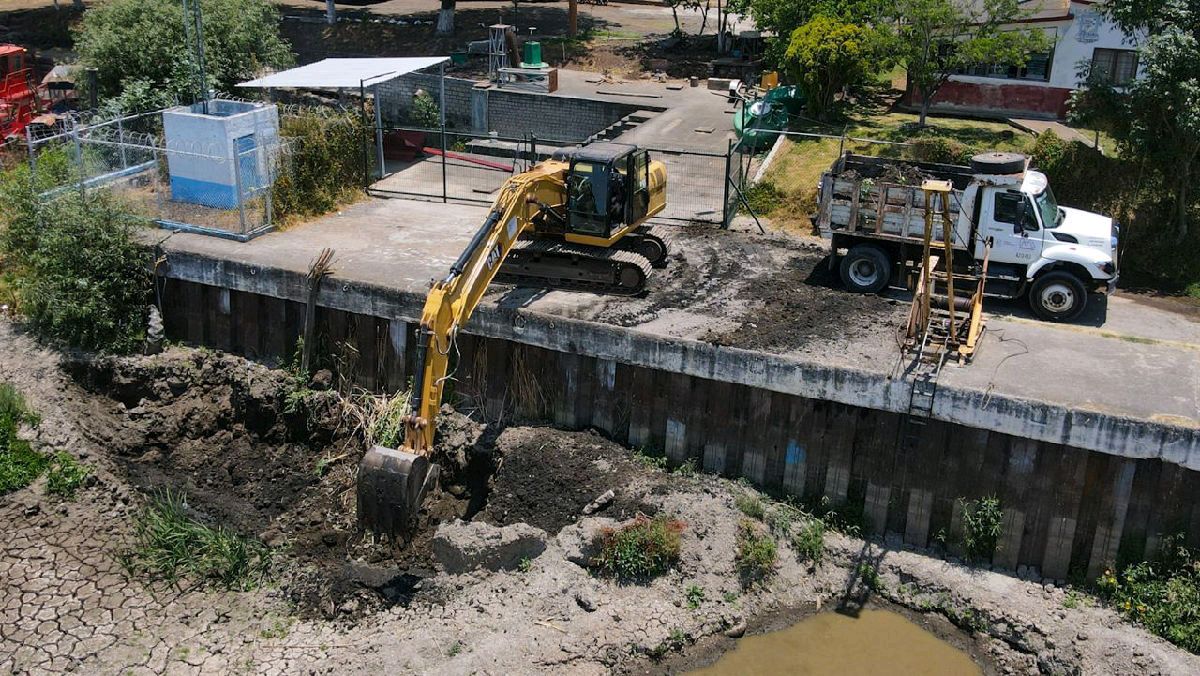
1004,97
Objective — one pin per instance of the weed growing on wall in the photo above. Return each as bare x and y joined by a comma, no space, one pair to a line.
982,526
1163,595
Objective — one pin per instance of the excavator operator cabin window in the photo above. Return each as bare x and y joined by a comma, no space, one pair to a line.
588,198
639,190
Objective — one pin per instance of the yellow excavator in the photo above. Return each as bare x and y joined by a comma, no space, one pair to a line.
575,221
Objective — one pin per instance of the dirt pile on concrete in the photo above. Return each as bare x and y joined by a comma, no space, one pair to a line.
546,477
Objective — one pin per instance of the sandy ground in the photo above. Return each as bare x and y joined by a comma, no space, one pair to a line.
197,421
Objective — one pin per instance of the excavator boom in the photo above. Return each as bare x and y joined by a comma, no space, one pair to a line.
610,192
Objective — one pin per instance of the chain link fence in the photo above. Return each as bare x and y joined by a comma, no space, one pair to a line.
468,167
128,157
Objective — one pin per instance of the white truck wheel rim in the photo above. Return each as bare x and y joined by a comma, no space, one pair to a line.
1058,297
863,272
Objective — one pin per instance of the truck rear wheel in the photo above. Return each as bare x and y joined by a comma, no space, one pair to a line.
866,269
1057,296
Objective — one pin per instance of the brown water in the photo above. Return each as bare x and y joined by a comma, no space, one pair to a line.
876,642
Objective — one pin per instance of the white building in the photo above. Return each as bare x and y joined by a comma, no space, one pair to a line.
1079,36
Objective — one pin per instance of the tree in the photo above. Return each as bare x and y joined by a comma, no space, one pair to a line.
1159,114
142,45
826,55
445,21
783,17
939,37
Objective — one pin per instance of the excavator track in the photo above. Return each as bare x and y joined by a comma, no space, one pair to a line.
561,265
651,241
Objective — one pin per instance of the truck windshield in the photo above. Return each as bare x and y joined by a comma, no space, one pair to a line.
1047,206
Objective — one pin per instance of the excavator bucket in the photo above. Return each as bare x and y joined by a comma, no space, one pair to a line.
391,486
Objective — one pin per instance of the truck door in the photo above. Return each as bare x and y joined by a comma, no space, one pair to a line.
1009,219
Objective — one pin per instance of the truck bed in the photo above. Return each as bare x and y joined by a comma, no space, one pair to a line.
882,198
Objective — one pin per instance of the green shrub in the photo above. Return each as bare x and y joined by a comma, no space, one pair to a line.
80,275
324,165
170,544
424,112
763,197
19,463
983,523
694,595
809,540
65,476
756,553
639,551
1163,595
940,149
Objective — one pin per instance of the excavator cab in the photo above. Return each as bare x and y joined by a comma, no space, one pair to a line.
608,188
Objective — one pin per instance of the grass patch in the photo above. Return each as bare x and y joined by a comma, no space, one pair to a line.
639,551
750,504
694,594
650,460
170,544
1162,595
756,553
19,463
65,476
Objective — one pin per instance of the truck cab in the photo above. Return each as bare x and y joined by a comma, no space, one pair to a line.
1053,255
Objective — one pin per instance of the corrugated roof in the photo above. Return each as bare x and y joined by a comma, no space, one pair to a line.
335,73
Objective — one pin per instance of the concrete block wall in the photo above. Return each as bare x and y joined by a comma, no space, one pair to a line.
507,112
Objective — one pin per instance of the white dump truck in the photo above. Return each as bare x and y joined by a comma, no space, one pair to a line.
873,211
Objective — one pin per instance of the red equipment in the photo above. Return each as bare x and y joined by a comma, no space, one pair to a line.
20,99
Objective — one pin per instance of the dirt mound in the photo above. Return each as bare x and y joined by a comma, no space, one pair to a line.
248,456
805,304
546,477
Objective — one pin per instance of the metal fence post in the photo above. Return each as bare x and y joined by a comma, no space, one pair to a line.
32,157
78,155
726,216
121,143
379,134
237,179
442,119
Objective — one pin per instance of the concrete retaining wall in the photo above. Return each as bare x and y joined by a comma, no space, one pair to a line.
816,434
506,112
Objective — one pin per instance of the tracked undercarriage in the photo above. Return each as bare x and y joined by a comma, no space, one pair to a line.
621,270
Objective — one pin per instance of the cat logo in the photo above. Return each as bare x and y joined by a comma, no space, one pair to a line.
493,257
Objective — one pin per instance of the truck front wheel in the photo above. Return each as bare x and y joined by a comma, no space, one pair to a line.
1057,296
866,269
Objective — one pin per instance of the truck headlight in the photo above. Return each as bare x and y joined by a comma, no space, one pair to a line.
1108,268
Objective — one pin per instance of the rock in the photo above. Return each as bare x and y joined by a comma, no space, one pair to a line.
350,607
271,537
321,380
460,546
32,510
604,500
584,599
1081,636
576,539
737,630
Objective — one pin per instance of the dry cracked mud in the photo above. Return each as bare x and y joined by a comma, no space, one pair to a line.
220,429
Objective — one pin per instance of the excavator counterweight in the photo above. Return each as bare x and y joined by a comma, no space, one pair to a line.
576,221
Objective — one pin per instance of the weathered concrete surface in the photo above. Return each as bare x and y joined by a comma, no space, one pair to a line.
1127,384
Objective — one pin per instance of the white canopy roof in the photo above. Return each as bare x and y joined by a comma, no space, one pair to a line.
334,73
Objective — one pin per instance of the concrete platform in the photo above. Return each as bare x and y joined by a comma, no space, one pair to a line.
1124,381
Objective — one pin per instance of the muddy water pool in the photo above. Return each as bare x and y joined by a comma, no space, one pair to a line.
873,642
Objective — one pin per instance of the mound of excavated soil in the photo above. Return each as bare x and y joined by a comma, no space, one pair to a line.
546,477
804,303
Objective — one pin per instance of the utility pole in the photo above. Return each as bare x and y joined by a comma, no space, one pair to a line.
330,12
193,16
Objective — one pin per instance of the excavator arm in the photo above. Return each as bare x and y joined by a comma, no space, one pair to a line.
452,299
392,482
